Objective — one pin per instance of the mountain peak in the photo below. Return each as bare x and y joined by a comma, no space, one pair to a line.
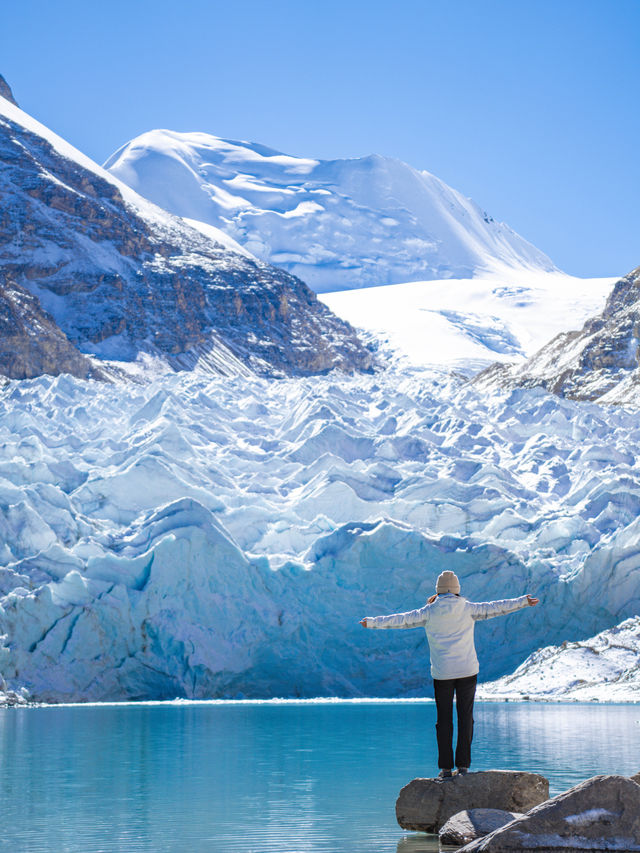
337,224
5,91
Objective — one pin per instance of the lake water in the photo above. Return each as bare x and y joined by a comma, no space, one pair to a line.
258,778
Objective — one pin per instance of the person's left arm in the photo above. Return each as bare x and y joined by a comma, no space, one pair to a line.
490,609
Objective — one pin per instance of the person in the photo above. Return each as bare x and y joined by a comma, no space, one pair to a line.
449,622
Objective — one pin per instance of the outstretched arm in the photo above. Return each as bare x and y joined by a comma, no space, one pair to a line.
411,619
489,609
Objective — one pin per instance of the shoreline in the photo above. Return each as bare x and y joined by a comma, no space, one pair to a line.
328,701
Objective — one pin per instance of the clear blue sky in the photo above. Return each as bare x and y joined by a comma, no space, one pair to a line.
531,107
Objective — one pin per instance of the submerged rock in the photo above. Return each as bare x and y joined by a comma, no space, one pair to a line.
427,804
600,814
474,823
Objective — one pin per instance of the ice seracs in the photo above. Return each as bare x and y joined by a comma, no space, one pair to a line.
338,224
211,537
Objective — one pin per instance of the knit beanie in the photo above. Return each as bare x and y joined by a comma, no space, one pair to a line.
448,582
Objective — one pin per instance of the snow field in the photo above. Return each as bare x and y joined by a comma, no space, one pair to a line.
211,537
470,323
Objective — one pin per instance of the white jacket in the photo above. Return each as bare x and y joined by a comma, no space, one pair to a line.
449,623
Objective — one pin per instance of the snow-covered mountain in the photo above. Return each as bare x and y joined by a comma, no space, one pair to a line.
89,268
338,224
604,668
597,362
206,537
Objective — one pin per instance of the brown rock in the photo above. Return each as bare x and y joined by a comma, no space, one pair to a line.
601,814
427,804
30,341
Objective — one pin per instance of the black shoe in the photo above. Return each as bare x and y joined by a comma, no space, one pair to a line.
445,774
462,771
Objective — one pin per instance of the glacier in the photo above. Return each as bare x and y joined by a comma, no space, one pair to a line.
216,537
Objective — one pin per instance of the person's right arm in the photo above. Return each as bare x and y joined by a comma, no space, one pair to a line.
411,619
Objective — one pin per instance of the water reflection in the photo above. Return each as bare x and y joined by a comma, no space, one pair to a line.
420,844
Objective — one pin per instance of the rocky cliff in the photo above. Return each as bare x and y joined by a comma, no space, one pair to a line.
598,362
115,277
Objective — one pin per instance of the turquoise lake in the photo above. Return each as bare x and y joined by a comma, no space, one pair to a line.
267,777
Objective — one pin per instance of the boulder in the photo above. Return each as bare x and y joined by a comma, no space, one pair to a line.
474,823
601,814
427,804
636,778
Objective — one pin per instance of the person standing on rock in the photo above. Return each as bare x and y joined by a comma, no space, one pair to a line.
449,622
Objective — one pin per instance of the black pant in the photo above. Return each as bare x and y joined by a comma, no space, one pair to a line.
465,690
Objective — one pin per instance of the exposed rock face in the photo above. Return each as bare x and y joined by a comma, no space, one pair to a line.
600,814
5,91
119,276
599,362
30,341
427,804
474,823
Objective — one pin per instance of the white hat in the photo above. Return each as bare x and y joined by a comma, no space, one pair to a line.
448,582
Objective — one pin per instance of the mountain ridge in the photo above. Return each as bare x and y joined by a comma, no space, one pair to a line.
120,277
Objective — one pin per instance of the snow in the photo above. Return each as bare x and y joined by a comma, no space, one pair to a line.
221,538
589,816
603,668
337,224
470,323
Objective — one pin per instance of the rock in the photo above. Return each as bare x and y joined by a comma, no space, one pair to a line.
5,91
636,778
474,823
31,343
600,814
427,804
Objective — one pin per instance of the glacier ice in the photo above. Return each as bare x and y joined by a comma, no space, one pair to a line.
221,537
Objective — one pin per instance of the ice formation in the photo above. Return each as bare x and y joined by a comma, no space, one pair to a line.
205,537
335,223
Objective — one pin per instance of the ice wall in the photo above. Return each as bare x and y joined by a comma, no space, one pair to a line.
213,537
